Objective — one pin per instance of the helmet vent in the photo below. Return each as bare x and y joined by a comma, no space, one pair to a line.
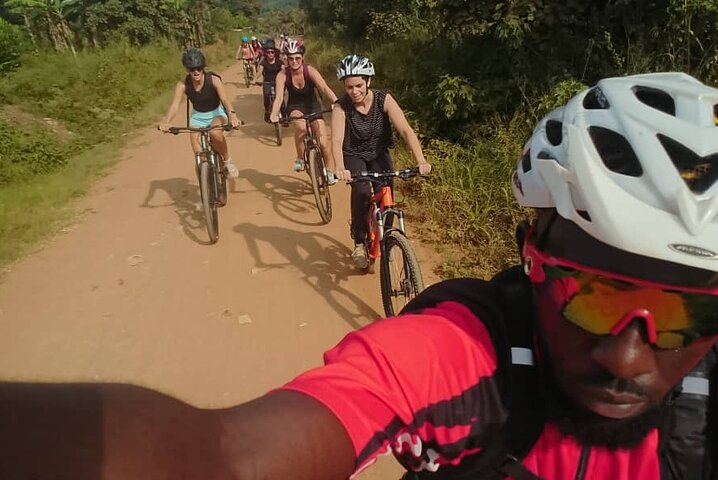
595,100
615,151
554,132
526,161
656,98
698,172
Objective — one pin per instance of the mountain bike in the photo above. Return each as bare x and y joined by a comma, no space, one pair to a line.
315,166
211,175
399,272
272,96
248,77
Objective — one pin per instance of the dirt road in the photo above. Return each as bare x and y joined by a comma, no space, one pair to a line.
132,292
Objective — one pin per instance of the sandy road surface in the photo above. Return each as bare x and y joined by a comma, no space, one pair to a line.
132,292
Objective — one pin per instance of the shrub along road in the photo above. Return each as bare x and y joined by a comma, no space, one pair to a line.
131,292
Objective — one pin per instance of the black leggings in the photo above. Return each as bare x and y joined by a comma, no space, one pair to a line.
361,191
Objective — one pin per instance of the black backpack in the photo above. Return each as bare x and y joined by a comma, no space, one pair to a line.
686,443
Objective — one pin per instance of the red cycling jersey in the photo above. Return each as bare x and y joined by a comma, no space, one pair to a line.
421,386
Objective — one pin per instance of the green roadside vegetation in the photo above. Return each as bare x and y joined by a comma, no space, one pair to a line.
77,78
474,77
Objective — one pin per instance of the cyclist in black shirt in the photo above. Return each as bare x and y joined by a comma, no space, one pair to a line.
268,69
361,138
210,105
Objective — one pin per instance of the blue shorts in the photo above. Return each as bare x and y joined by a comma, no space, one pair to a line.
204,119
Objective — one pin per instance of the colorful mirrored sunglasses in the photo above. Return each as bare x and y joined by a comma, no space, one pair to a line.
604,303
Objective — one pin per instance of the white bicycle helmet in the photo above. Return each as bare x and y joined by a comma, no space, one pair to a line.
355,66
633,162
294,46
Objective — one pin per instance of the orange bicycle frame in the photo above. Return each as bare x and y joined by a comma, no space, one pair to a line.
380,201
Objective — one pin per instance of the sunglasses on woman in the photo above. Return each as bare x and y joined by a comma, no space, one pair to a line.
604,303
195,69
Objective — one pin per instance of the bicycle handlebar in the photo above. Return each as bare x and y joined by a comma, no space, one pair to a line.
381,177
178,130
308,117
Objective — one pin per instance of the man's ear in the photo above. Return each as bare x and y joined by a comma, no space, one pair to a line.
521,232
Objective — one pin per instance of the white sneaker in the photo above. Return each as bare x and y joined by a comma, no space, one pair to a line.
231,168
359,256
298,165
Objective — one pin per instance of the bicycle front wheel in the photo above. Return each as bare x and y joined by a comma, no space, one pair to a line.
320,185
400,274
247,75
209,205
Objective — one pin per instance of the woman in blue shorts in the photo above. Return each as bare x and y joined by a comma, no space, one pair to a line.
205,91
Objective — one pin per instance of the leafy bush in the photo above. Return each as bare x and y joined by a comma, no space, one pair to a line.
12,45
26,151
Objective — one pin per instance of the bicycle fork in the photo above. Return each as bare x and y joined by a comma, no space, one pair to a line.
380,226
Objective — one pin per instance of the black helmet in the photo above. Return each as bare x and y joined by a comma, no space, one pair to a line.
193,58
268,44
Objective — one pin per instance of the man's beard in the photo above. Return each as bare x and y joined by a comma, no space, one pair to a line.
592,429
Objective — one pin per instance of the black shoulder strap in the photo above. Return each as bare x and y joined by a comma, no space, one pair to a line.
504,307
687,439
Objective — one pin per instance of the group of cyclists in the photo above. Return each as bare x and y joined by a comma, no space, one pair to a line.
595,358
363,119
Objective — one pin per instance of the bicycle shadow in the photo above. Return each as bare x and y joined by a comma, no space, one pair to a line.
323,261
185,199
291,196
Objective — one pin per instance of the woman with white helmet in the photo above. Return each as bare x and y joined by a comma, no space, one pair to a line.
302,82
361,138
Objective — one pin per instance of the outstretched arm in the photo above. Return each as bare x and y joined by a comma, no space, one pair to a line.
174,106
279,97
222,94
326,92
122,432
397,118
338,132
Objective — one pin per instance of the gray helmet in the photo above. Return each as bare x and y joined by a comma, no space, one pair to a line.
268,44
355,66
193,58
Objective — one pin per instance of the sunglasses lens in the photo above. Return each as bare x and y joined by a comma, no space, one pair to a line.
596,304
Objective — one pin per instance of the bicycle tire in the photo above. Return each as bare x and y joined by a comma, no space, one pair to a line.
398,286
247,75
278,133
209,205
320,186
220,182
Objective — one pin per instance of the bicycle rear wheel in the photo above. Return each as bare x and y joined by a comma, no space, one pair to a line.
400,274
320,185
209,205
247,74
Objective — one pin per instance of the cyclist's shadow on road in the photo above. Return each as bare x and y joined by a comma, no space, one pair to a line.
291,196
185,199
323,262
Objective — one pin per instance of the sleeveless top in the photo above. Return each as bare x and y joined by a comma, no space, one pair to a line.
300,96
207,98
366,136
271,70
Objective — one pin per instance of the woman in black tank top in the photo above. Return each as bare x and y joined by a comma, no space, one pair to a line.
210,105
361,138
302,82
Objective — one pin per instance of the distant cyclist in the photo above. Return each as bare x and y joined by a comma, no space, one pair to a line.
302,83
258,51
361,138
246,53
268,69
210,105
